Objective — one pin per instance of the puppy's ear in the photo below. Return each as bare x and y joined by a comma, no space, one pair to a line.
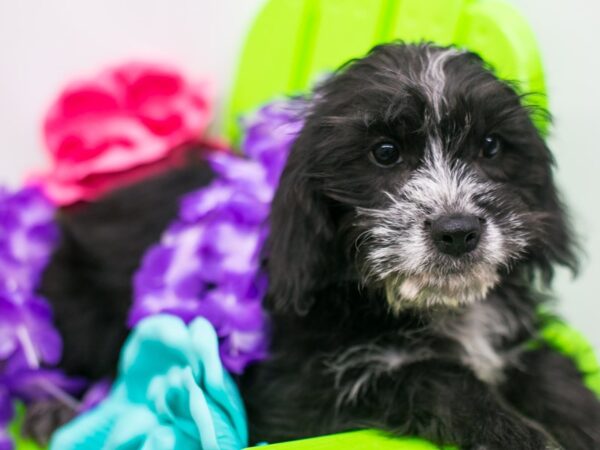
300,252
555,241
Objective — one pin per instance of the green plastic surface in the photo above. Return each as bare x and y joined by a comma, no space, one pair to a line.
356,440
21,443
293,42
572,343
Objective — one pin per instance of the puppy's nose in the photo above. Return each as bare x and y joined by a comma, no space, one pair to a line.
456,234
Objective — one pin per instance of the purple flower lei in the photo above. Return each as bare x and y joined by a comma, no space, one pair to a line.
29,344
208,260
206,264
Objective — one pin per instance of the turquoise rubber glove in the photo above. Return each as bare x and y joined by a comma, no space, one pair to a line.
172,392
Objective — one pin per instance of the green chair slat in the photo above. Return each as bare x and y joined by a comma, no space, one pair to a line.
432,20
500,34
267,67
342,30
572,343
355,440
21,443
294,41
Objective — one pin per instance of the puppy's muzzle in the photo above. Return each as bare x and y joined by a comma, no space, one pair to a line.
456,234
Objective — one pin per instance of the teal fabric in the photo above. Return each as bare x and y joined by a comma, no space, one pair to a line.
172,392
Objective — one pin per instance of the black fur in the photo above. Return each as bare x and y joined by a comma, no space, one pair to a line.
341,357
89,278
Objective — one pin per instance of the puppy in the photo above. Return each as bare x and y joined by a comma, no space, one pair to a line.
414,219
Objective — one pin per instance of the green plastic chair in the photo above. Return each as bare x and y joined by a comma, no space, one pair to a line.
292,42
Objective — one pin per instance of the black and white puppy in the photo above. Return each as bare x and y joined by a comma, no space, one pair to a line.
414,219
415,214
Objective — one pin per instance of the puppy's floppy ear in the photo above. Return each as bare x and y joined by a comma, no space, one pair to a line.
300,251
555,241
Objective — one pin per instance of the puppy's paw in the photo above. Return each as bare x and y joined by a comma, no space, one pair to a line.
523,446
43,418
533,440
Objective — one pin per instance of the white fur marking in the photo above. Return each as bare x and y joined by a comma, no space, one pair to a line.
479,331
372,361
433,78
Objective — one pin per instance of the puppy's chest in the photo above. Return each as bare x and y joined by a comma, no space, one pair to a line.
478,338
475,339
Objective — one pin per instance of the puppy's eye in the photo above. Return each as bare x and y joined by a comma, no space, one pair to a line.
492,146
386,155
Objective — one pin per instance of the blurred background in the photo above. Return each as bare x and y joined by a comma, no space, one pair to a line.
43,45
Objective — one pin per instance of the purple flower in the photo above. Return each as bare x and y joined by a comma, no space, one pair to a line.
38,384
6,407
95,394
27,236
269,135
29,343
27,239
5,440
26,324
208,261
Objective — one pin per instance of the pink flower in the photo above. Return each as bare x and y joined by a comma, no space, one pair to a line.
108,126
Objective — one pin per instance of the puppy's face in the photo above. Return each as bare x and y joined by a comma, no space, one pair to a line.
433,175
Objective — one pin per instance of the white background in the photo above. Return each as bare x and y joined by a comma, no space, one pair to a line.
43,44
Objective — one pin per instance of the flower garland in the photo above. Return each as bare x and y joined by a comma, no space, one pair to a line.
208,264
108,131
29,343
208,260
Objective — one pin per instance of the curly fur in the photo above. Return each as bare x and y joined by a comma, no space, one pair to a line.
372,326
